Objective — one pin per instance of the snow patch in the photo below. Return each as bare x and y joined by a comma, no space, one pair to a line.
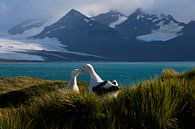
55,29
62,27
83,54
140,17
172,27
157,36
149,18
86,20
15,47
33,31
155,20
18,47
120,20
46,33
38,21
164,33
19,56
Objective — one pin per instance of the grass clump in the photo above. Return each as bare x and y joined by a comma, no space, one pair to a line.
70,110
157,105
167,73
10,119
163,103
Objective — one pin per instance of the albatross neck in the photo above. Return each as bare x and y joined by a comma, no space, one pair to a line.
94,76
73,80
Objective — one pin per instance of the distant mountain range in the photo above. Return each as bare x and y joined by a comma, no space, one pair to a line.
113,36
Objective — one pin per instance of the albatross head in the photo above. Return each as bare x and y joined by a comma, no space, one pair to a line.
76,72
88,67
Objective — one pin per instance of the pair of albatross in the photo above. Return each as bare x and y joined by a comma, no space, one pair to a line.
97,85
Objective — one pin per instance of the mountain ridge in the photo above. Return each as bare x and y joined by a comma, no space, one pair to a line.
140,37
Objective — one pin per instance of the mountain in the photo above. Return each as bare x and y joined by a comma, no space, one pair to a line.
83,34
127,41
111,18
186,40
26,25
180,48
139,37
183,46
149,27
188,29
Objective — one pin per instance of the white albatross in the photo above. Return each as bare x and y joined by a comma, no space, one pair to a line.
99,86
72,84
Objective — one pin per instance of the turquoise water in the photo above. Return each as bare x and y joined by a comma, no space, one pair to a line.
124,73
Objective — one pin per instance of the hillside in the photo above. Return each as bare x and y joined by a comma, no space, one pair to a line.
162,103
18,83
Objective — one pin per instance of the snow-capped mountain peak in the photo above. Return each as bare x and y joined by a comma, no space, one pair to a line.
150,27
73,19
81,33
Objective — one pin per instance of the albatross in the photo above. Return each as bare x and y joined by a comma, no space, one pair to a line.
72,84
98,86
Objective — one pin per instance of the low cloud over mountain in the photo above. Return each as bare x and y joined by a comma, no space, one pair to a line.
15,11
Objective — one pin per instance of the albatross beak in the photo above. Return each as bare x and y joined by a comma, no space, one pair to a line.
80,71
83,69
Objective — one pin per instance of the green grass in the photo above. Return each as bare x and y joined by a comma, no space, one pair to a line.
167,102
17,83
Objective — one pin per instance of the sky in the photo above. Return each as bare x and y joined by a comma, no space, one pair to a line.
15,11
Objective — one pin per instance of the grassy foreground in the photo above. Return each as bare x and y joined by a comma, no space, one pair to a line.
167,102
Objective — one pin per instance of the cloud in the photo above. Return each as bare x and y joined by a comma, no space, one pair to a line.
15,11
181,9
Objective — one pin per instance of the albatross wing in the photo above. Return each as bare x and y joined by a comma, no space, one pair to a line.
105,87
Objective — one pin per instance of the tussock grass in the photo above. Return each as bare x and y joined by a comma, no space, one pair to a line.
163,103
156,105
167,73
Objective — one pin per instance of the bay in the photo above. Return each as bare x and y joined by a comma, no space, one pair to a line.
123,72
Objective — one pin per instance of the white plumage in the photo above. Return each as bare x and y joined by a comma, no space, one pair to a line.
72,84
99,86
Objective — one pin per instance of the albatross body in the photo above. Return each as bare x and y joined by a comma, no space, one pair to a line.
99,86
72,84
